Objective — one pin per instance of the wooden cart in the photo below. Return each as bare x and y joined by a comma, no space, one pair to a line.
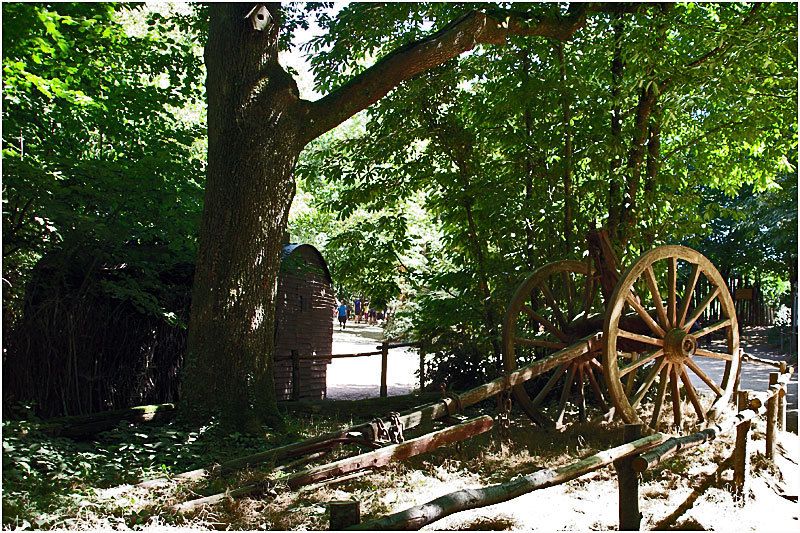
656,320
629,338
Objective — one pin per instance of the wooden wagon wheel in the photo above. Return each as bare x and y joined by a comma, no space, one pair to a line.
554,307
663,324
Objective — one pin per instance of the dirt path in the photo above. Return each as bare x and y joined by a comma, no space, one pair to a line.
360,377
755,376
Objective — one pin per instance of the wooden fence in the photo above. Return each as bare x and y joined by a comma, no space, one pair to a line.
383,350
636,454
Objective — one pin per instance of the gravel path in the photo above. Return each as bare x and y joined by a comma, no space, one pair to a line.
356,378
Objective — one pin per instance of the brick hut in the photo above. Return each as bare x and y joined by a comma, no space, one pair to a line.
304,307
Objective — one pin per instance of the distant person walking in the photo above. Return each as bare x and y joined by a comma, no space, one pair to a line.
342,315
359,310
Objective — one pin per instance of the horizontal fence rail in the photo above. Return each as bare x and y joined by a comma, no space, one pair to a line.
383,351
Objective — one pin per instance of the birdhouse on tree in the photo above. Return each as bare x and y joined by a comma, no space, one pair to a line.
304,304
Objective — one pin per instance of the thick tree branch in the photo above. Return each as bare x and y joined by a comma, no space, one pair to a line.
459,36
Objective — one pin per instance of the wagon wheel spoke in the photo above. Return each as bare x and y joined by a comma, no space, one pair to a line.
691,392
550,384
567,287
539,343
548,296
701,307
672,269
588,294
662,392
640,338
650,278
648,382
713,355
676,396
640,362
713,327
544,322
565,393
687,295
581,383
631,378
598,392
540,321
655,328
702,375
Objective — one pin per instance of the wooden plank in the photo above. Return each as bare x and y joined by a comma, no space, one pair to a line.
365,461
396,452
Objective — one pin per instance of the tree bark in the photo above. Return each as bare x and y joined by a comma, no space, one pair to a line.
528,167
653,167
566,115
629,209
253,143
614,188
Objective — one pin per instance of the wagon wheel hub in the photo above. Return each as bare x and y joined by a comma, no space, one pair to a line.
679,345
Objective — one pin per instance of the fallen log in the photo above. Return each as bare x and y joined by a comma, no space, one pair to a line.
463,500
366,432
364,409
364,461
86,425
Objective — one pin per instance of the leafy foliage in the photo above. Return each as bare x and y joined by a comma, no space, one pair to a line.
101,112
103,162
477,146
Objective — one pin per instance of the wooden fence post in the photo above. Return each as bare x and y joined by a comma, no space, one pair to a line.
782,400
344,513
384,364
295,375
422,367
628,482
740,458
772,416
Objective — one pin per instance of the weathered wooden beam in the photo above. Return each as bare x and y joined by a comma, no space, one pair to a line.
391,345
628,484
87,425
345,355
772,416
369,460
384,368
396,452
321,443
343,513
740,457
769,362
671,447
463,500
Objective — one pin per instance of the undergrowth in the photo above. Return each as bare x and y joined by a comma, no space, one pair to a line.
53,482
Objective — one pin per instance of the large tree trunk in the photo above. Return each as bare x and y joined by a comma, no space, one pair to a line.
253,144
